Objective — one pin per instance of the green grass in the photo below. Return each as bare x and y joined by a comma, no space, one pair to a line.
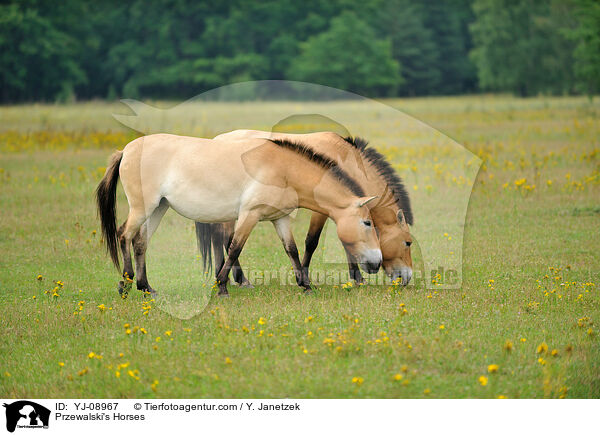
51,159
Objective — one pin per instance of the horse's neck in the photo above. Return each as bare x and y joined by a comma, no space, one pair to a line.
320,191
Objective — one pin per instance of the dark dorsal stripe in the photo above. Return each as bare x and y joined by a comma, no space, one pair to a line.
387,172
324,162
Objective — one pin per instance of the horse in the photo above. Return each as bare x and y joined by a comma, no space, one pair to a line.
392,214
221,180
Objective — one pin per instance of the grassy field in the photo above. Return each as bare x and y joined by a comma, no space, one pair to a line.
523,324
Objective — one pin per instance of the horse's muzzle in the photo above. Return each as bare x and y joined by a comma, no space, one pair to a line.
371,261
404,272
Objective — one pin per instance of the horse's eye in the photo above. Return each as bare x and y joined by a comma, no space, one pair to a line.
367,223
408,243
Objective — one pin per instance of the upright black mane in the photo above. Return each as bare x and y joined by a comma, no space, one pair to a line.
387,172
324,162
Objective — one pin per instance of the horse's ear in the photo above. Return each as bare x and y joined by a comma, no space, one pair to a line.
400,216
365,200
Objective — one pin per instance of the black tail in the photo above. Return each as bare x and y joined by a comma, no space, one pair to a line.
106,195
204,239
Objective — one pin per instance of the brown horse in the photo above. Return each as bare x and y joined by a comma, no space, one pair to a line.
391,214
246,181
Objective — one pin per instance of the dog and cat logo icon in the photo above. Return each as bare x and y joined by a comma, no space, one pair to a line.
26,414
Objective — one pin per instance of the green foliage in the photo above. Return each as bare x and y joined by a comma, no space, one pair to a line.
36,59
74,49
519,48
348,56
587,51
413,46
448,23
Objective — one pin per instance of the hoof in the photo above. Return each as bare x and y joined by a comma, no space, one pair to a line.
308,291
123,290
246,284
223,293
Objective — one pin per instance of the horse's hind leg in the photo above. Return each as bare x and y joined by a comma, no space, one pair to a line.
140,245
236,269
125,235
138,214
218,244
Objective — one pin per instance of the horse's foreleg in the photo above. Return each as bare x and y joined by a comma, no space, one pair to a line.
284,231
317,222
354,270
244,226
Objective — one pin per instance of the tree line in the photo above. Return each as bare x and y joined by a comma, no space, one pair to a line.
72,49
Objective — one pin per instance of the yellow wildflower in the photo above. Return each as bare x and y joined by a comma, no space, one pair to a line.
542,348
357,380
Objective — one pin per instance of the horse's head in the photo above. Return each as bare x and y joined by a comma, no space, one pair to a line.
356,231
395,243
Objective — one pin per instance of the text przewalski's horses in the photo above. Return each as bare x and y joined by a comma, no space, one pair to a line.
247,180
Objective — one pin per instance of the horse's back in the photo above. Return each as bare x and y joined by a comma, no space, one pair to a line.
202,179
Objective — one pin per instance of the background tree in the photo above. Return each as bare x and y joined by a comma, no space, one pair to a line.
176,49
348,56
412,46
586,34
448,21
519,48
36,59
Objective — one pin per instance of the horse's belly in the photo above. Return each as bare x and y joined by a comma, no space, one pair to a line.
204,209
